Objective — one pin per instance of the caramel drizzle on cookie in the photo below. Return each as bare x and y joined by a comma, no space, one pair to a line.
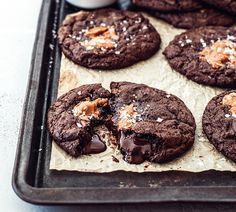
127,117
100,37
87,109
221,53
230,100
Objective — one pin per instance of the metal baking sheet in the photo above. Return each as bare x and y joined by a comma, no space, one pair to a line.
34,182
155,72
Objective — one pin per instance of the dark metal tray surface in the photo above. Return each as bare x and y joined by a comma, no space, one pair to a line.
34,182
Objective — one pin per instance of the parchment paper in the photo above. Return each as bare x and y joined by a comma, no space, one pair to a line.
157,73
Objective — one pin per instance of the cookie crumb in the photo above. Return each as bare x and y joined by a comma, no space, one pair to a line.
115,159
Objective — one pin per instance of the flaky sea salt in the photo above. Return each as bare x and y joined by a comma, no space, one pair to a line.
84,30
188,41
229,51
89,48
230,37
203,43
79,125
138,21
181,43
159,119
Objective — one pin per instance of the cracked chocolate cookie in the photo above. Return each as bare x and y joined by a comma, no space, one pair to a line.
197,18
169,5
72,117
227,5
149,123
206,55
107,38
219,123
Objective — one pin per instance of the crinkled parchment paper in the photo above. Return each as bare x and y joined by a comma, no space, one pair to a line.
157,73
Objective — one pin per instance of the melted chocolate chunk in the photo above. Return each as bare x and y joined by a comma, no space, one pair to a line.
136,150
95,146
65,125
149,123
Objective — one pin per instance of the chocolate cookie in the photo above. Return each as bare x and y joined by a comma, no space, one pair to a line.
169,5
227,5
197,18
107,38
72,117
206,55
149,123
219,123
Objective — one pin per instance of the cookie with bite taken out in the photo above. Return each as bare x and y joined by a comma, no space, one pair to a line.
149,124
72,117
